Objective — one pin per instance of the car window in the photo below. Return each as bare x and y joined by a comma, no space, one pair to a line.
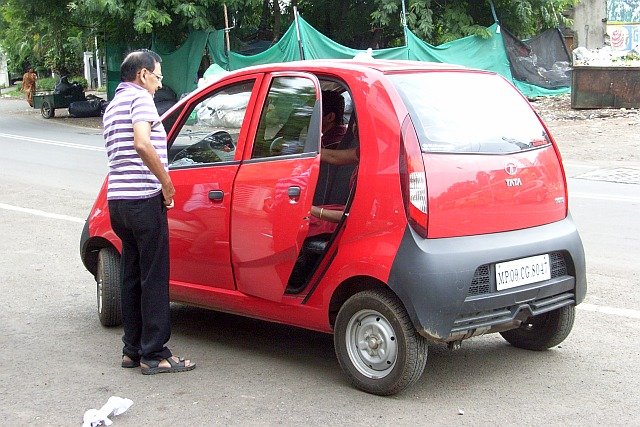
286,117
210,133
469,113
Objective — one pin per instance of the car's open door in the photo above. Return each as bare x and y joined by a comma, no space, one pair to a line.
274,187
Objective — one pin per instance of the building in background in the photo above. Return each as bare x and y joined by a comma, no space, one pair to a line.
589,24
599,23
4,71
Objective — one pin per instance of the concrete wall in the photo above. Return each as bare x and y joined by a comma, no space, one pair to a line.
589,24
4,73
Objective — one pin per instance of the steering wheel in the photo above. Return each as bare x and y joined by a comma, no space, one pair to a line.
214,147
277,145
281,147
220,140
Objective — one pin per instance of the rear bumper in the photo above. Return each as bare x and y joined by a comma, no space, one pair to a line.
437,279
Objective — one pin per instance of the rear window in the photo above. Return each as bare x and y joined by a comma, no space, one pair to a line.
467,112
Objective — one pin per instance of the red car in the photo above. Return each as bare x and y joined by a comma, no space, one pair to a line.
455,222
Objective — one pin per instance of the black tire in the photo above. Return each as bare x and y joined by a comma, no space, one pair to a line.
47,110
543,331
108,287
369,322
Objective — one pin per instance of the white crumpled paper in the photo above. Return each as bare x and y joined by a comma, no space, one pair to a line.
114,406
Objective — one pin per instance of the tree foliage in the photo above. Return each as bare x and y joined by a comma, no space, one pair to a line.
441,21
41,34
170,20
53,33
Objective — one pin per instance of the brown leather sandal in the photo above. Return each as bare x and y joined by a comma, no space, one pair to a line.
152,367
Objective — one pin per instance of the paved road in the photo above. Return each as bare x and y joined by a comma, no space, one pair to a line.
59,362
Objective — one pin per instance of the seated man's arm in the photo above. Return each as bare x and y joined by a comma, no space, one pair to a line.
331,215
339,157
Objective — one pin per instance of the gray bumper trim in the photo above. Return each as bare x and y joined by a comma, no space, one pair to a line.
432,278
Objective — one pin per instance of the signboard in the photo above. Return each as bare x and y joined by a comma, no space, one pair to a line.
623,36
623,11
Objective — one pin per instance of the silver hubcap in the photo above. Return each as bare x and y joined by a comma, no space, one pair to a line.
371,344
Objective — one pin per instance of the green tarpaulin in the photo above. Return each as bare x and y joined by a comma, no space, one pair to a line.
180,67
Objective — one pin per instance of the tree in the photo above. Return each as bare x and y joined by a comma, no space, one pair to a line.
170,21
42,34
346,22
438,22
53,33
527,18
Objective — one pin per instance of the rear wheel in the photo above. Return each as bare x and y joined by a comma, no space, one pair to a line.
377,345
108,287
47,110
543,331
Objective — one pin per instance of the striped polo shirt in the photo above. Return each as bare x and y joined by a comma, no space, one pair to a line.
129,178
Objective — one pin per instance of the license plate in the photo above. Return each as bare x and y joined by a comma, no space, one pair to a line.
522,272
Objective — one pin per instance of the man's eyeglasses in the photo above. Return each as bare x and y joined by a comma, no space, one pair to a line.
158,76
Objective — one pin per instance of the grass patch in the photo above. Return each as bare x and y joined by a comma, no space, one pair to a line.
47,84
14,91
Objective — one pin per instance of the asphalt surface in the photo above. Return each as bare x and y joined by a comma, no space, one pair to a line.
59,362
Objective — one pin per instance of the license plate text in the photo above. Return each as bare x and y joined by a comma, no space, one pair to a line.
522,272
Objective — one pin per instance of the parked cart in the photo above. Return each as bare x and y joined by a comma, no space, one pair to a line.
47,102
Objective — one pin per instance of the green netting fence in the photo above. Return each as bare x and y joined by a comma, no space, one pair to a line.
180,66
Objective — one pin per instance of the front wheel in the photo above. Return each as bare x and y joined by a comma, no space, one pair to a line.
376,343
47,110
543,331
108,287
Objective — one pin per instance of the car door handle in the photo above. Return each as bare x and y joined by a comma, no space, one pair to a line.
216,195
294,191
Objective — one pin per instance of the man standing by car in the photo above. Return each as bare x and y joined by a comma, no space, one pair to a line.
139,193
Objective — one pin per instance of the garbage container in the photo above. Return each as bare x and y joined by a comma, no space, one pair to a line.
605,87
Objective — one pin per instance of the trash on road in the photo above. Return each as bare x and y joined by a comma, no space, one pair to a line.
114,406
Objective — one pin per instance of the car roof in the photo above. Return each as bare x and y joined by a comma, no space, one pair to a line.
337,65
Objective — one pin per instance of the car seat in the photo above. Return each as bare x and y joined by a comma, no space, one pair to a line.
334,181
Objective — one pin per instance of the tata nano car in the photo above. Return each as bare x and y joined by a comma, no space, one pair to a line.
454,223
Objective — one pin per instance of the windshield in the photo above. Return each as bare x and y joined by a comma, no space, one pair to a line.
469,112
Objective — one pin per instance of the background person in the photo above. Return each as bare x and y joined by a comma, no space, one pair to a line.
139,193
29,84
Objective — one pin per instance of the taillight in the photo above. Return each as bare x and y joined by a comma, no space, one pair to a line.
413,179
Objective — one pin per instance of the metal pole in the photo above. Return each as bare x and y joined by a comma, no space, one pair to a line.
98,67
295,17
404,24
493,12
226,28
495,17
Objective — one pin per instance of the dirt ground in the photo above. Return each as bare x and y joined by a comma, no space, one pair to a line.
599,136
